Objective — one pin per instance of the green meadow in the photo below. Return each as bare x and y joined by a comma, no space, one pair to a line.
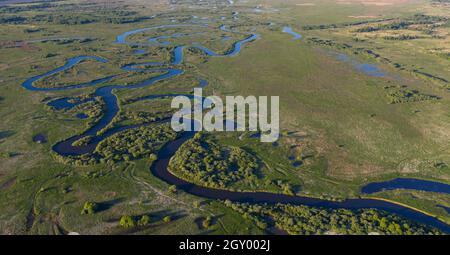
340,127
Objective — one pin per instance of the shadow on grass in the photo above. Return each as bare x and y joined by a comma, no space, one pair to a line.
103,206
6,134
8,183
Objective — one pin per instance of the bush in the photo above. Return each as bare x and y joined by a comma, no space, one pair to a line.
127,221
196,204
89,208
167,219
207,222
173,189
144,220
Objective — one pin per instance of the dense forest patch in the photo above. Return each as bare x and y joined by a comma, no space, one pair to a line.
304,220
134,143
405,95
207,163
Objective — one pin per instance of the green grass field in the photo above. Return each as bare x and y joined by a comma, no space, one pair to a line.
337,123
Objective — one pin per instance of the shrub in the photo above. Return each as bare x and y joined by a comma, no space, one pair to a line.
144,220
89,208
207,222
173,189
127,221
196,204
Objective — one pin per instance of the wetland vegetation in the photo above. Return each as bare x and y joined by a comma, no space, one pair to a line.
364,96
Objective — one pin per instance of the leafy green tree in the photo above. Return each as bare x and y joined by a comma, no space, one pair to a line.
144,220
173,189
167,219
127,221
261,224
89,208
207,222
196,204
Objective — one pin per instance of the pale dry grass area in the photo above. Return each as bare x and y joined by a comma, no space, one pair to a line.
374,2
364,17
339,167
306,4
3,66
154,5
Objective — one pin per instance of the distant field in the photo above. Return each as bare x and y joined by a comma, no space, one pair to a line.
5,2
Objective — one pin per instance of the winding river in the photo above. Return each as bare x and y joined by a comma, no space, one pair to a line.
406,183
166,71
296,36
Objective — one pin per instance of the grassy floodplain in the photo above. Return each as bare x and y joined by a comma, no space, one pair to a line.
341,128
